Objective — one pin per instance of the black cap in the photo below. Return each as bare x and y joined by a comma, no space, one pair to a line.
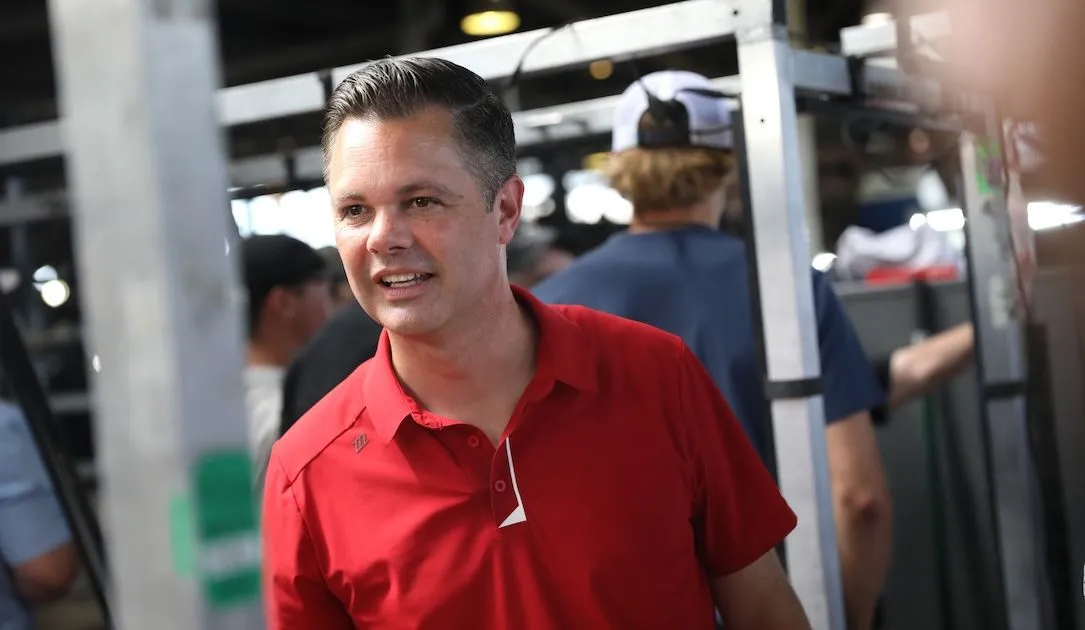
274,260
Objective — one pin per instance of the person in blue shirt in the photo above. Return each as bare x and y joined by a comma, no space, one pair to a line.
675,270
38,560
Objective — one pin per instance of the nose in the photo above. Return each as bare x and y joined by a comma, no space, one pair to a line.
389,232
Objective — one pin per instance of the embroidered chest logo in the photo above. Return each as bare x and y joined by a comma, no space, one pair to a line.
360,442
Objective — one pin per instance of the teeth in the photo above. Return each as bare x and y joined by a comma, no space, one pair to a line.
400,278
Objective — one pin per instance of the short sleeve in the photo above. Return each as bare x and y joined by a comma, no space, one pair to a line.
31,520
295,593
739,513
848,382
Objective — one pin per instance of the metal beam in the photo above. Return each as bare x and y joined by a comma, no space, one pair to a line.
881,38
814,73
785,295
659,30
1000,354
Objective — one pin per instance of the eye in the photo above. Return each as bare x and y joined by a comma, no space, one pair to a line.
352,211
423,202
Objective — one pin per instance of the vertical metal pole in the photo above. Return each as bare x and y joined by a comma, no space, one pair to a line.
808,158
137,83
1002,373
786,295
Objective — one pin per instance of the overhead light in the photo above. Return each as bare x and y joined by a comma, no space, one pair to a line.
55,293
601,69
491,17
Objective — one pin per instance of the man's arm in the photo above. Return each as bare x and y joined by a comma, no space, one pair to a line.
48,576
863,512
862,507
739,515
915,370
296,596
759,596
34,537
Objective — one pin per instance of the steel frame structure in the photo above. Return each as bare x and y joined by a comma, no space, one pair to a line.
149,177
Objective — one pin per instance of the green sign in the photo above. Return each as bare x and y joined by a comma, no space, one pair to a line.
225,528
988,167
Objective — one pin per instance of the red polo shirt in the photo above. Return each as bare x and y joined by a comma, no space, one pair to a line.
622,484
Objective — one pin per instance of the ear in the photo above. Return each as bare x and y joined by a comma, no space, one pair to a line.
508,203
281,302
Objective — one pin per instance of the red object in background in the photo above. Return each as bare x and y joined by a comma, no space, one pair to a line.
904,275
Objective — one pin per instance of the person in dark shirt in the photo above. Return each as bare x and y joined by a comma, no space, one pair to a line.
675,270
350,337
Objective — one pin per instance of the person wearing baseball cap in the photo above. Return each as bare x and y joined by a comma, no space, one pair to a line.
674,269
288,302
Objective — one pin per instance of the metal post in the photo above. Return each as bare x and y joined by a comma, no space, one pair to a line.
1001,368
777,212
136,83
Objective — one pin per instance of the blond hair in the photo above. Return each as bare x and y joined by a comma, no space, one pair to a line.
662,179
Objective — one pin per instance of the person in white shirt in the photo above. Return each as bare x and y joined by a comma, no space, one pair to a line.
288,302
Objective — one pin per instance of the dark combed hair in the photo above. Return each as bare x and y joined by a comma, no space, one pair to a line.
398,88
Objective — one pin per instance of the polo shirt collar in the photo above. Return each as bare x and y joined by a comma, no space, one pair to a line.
566,353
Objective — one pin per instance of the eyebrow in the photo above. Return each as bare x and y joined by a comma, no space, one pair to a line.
406,189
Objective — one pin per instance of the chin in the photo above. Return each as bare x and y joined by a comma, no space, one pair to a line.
409,322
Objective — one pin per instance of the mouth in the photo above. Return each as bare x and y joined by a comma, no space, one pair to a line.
403,280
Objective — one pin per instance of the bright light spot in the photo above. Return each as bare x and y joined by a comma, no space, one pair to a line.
590,203
601,69
617,210
55,293
490,23
96,363
45,274
537,189
917,221
946,220
877,19
538,196
9,280
265,215
823,261
1043,215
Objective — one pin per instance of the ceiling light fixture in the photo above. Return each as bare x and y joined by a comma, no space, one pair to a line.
490,17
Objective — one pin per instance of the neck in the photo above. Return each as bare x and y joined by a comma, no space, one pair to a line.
268,355
672,219
481,360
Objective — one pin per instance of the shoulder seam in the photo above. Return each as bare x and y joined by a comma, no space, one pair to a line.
290,479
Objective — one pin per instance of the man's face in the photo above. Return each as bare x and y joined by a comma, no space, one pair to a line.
421,246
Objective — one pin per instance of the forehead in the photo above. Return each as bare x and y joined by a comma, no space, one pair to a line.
369,149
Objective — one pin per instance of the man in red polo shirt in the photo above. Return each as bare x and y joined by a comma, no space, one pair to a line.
500,464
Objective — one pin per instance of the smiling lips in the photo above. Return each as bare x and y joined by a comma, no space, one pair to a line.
403,285
400,280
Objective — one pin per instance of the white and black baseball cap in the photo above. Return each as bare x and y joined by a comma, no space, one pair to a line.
703,112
